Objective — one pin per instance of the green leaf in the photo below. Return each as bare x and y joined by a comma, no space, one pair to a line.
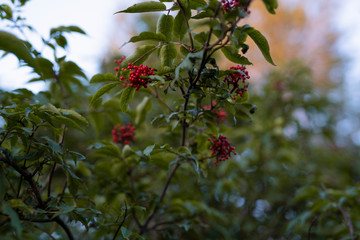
49,108
10,43
261,42
106,77
74,116
195,4
102,91
150,6
201,37
126,96
148,36
167,55
271,5
140,54
52,144
165,25
126,232
231,54
15,221
68,122
180,28
147,151
142,109
61,29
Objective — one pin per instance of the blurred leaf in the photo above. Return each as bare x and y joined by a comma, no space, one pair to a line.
271,5
10,43
148,36
150,6
74,116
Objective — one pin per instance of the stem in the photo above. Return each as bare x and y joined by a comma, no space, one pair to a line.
187,24
122,222
156,95
145,225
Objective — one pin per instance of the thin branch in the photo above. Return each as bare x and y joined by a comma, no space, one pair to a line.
156,95
187,24
122,222
145,225
313,222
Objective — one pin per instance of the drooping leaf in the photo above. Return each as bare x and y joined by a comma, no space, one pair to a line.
102,91
106,77
148,36
231,54
150,6
261,42
165,25
10,43
126,96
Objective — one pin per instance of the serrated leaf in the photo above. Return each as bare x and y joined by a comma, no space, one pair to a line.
165,25
167,55
261,42
106,77
10,43
140,54
150,6
74,116
148,36
126,96
102,91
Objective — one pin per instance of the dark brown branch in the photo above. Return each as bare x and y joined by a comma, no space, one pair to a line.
313,222
145,225
122,222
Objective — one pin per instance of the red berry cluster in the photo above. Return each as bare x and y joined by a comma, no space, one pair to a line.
221,148
229,4
136,73
123,134
234,79
118,61
221,115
